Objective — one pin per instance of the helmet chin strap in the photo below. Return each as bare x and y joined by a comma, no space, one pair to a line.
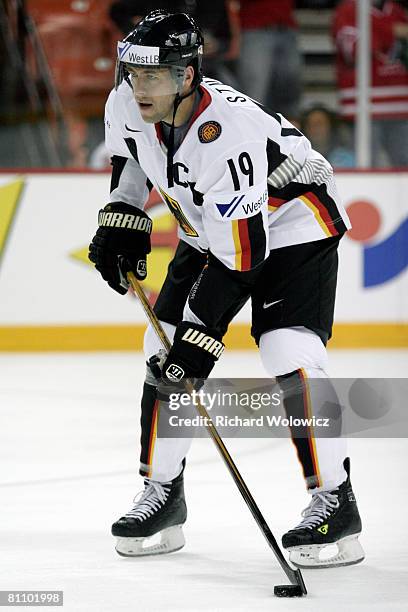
170,148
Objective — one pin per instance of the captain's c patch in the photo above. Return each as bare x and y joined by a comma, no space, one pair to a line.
209,131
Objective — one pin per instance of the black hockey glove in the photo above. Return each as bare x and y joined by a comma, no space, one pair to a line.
193,354
124,232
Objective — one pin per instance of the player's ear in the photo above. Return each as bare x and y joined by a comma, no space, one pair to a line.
188,76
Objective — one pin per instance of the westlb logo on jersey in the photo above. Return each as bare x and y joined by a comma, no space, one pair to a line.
241,208
253,207
227,209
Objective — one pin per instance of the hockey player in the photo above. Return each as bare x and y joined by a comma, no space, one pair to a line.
259,217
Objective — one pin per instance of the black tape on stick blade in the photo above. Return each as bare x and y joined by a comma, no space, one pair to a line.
288,590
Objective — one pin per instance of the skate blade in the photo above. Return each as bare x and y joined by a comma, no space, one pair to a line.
347,551
169,540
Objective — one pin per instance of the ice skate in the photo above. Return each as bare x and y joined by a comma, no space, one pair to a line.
328,534
154,525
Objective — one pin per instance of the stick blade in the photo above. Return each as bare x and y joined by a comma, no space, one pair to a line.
288,590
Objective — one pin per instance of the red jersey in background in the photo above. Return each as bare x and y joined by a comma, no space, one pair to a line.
267,13
389,77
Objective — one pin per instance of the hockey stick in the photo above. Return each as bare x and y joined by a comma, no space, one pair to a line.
294,575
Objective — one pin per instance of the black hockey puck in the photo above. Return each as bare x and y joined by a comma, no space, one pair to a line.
288,590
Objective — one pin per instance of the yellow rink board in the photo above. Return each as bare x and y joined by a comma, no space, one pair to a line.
130,337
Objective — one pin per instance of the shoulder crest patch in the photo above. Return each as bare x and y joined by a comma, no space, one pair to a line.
209,131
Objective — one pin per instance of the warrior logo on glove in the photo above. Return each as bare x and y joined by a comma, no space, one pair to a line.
174,372
118,219
207,343
195,350
141,269
121,244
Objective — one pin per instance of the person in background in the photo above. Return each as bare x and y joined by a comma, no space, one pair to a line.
389,75
322,127
270,61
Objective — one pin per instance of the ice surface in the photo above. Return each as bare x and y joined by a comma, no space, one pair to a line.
69,455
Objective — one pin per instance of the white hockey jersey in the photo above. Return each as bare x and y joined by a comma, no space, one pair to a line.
245,180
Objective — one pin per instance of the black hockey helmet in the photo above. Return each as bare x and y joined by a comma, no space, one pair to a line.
162,39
